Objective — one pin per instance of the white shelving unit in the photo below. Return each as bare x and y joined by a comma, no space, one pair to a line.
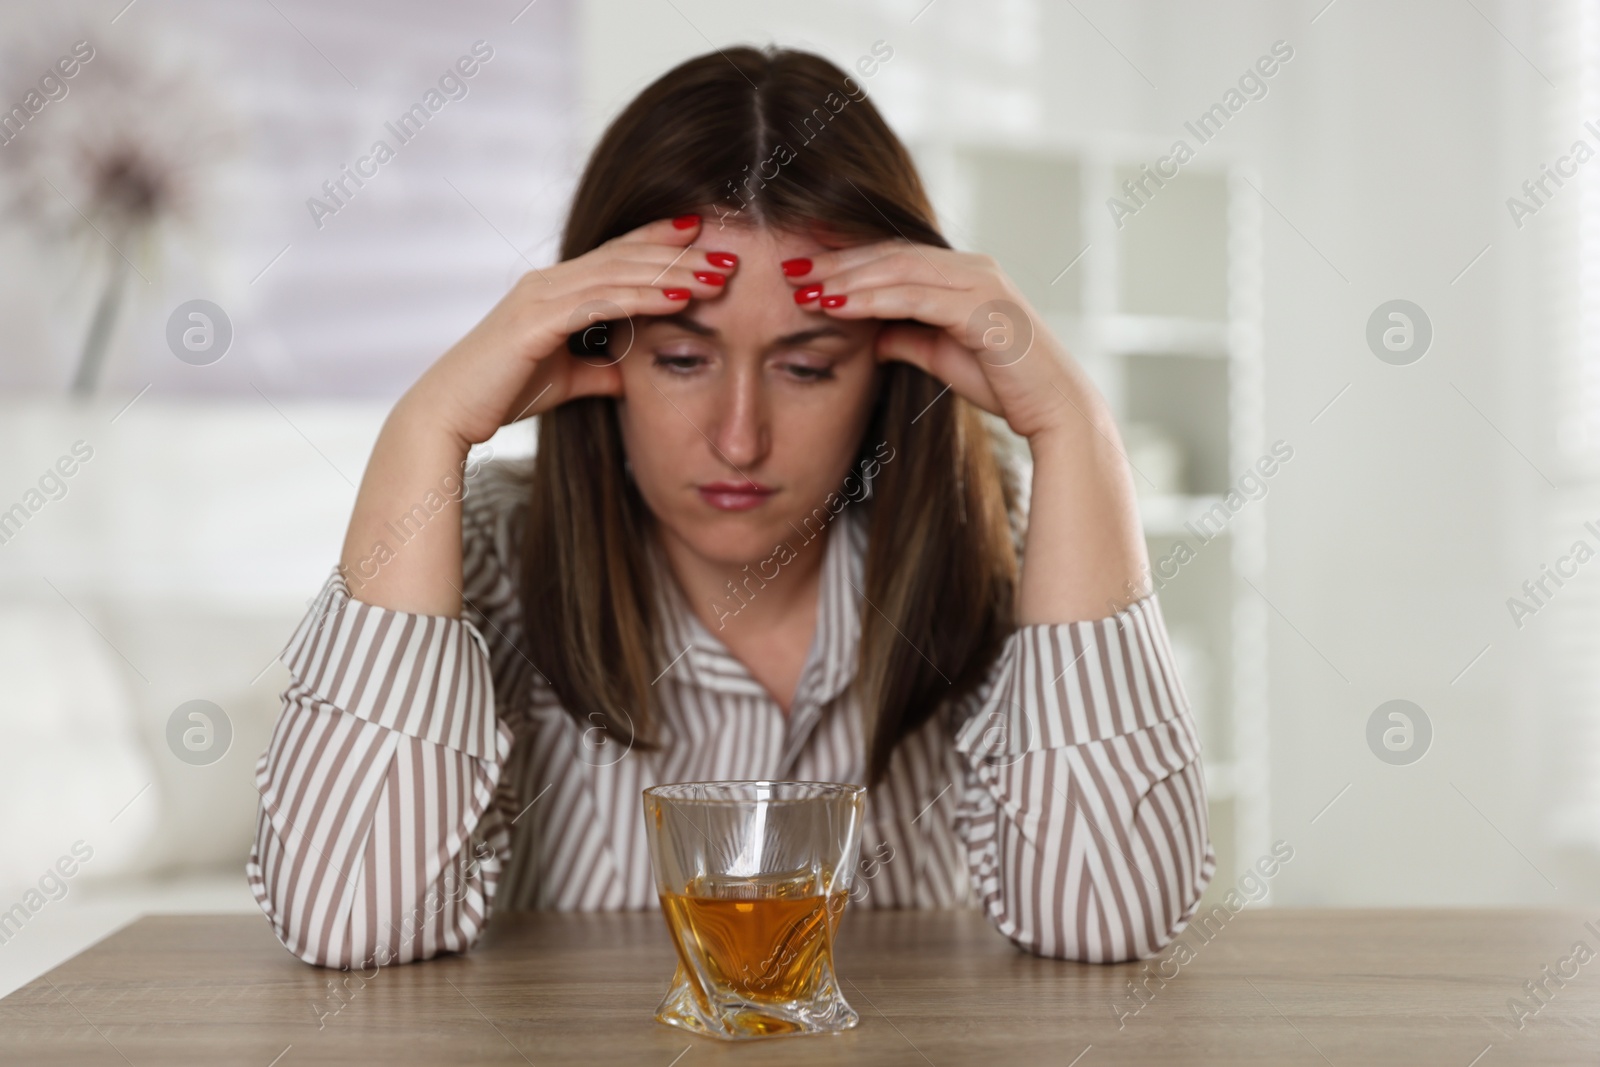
1164,312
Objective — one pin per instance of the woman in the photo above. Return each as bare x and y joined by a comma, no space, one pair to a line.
768,533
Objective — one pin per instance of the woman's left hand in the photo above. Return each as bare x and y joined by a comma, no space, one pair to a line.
972,329
957,316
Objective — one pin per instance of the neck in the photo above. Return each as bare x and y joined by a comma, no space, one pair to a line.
762,594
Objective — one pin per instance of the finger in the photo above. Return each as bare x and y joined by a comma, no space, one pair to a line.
659,243
593,379
556,319
903,266
680,230
806,269
933,305
660,255
666,266
706,282
693,257
637,299
936,352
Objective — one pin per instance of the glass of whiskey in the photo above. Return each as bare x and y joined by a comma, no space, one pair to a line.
753,879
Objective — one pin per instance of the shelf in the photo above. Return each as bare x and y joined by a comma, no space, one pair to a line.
1173,256
1163,312
1189,401
1023,209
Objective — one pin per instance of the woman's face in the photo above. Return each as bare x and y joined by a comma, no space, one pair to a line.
742,413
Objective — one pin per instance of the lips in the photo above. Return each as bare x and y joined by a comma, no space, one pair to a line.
735,496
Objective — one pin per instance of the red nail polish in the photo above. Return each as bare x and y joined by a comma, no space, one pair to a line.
793,268
722,259
710,278
807,293
676,294
683,222
833,300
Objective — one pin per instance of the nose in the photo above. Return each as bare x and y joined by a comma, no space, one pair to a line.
741,430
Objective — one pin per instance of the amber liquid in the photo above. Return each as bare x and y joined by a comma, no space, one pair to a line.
761,939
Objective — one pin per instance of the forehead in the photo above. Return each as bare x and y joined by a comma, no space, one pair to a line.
758,302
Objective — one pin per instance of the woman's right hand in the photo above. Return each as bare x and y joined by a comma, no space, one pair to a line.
403,547
514,364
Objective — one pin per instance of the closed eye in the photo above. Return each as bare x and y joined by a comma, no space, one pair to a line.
807,374
679,364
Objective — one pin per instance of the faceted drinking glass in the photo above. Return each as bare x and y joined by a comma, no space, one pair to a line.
754,878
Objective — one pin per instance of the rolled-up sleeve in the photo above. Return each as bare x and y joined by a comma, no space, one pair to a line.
1084,807
378,839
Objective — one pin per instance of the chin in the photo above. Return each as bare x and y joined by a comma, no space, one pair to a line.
733,539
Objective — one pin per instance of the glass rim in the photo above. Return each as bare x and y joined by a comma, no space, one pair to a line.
824,791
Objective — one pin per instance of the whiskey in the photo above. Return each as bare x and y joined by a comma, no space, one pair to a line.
753,878
763,940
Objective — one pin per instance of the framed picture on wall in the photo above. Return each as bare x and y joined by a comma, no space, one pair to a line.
285,197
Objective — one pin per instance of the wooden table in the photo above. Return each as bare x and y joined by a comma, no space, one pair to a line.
941,988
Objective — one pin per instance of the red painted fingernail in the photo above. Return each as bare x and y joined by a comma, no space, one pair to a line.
710,278
722,259
683,222
676,294
793,268
833,300
807,293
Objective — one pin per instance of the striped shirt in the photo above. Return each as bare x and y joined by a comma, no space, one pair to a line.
423,773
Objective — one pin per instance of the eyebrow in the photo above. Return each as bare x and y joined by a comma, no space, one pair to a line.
688,325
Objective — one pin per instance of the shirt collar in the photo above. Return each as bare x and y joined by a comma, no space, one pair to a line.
699,657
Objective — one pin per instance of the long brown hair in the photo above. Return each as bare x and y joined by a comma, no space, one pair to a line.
785,139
